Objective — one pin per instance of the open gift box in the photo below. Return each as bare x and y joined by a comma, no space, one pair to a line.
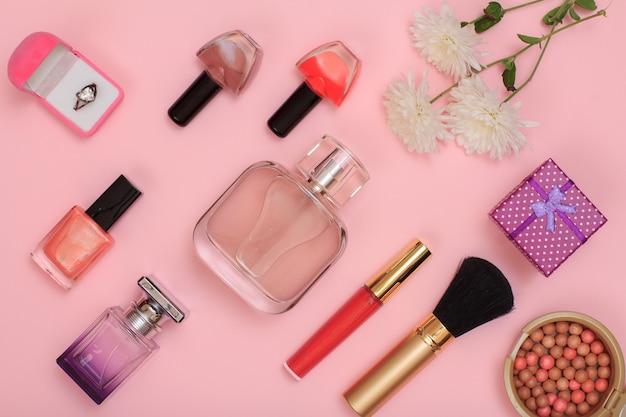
547,217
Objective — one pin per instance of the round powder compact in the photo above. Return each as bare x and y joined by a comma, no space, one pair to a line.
566,364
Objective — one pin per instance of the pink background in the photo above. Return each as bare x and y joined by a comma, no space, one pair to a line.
225,360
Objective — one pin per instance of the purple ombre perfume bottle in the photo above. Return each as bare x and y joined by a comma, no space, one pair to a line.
119,342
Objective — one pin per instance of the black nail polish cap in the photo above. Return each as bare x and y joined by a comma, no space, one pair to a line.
197,95
113,202
293,110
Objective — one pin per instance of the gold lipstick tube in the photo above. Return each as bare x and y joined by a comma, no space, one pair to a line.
397,368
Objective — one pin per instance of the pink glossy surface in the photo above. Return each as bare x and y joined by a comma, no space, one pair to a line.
226,359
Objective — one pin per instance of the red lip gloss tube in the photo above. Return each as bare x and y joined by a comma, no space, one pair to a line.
367,300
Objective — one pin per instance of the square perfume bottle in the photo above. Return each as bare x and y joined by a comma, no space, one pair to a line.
119,341
273,234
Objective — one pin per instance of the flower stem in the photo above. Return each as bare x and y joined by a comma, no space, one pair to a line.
532,74
444,92
510,9
545,39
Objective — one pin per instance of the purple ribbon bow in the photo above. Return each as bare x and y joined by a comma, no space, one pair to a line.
552,205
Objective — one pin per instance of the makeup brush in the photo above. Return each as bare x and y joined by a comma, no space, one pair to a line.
478,293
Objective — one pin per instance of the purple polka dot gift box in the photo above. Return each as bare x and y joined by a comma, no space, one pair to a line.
547,217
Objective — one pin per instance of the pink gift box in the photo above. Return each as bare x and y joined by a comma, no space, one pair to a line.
547,217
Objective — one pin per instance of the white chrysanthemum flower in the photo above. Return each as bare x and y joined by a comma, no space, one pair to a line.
411,117
481,122
444,43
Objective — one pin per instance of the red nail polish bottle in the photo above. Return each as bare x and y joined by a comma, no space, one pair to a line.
329,72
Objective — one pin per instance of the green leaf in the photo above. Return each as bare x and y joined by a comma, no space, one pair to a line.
573,14
531,40
548,18
586,4
508,77
485,23
493,14
556,15
495,11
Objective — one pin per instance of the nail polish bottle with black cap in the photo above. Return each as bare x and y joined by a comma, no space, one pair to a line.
82,237
229,60
330,71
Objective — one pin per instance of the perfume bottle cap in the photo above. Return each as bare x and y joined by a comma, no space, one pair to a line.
333,170
164,301
113,202
146,315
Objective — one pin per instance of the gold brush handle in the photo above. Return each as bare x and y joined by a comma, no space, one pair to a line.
397,368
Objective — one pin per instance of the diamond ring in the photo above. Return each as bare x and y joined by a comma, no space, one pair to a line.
85,96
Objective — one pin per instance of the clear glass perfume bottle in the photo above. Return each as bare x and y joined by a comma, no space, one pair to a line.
119,342
272,234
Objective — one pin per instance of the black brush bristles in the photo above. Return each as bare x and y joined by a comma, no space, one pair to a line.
478,293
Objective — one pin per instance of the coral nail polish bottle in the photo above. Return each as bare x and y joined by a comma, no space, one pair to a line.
329,72
119,342
272,234
81,237
229,61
